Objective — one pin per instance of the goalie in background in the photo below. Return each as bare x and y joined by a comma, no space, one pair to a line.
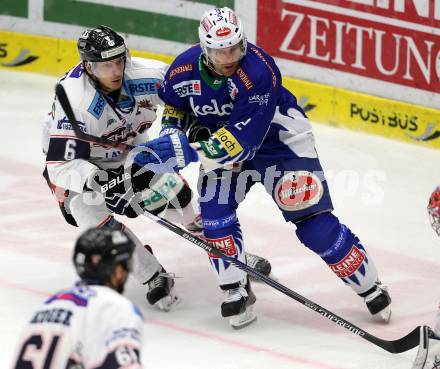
428,356
116,97
90,325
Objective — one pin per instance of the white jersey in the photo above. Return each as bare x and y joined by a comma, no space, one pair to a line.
70,161
84,327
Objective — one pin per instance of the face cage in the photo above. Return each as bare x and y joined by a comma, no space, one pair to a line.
434,217
210,63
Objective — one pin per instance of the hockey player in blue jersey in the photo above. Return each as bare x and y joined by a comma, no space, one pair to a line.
226,107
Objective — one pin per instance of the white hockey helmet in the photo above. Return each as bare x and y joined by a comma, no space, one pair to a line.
221,28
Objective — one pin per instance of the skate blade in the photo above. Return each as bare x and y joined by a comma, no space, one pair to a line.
168,302
244,319
384,315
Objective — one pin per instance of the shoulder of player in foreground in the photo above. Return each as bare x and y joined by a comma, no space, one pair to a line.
121,304
139,64
257,68
185,63
77,86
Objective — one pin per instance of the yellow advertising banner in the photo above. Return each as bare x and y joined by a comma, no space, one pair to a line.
323,104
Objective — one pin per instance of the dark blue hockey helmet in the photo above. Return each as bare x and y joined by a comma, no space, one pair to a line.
99,250
101,44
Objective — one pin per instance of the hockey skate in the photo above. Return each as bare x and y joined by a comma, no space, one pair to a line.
260,264
378,301
238,304
161,291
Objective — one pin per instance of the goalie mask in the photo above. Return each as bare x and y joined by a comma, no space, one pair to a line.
222,37
434,210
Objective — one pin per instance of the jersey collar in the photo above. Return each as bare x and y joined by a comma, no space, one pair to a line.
214,82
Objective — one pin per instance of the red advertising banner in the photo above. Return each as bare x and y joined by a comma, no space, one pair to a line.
364,40
425,12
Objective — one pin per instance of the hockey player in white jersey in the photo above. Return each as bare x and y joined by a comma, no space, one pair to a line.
91,325
115,96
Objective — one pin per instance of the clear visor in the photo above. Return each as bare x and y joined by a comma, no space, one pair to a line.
107,69
228,55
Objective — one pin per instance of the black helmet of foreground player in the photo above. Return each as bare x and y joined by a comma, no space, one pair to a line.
104,54
97,254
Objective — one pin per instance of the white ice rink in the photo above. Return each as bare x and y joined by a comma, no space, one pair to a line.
380,189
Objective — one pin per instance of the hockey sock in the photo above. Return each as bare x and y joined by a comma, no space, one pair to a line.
340,249
226,234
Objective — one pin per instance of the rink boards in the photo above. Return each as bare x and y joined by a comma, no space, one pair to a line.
323,104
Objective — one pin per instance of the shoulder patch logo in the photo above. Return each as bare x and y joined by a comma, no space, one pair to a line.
180,69
244,78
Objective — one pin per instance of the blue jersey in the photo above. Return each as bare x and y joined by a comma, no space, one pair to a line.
249,114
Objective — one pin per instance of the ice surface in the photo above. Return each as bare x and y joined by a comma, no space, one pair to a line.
380,189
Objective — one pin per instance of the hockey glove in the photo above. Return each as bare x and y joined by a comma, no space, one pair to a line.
121,188
197,132
166,154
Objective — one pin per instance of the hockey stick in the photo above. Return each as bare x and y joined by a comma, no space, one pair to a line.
400,345
64,101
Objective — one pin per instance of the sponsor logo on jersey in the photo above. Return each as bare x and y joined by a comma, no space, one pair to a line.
213,109
186,88
142,86
228,141
298,190
97,106
171,112
244,78
350,264
180,69
64,124
225,245
261,56
223,31
259,99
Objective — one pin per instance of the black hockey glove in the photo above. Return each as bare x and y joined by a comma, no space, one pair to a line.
122,188
197,132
